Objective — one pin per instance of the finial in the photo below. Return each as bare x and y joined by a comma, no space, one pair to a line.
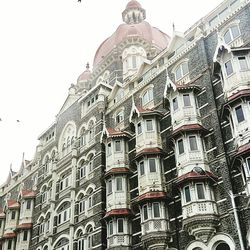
87,65
173,27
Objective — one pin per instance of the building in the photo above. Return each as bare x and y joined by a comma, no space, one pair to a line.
151,149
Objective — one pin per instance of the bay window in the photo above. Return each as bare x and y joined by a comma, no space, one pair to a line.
239,114
141,167
243,63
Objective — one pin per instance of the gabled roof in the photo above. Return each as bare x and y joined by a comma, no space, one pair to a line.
176,41
116,87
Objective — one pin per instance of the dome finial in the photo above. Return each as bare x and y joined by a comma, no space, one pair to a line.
133,13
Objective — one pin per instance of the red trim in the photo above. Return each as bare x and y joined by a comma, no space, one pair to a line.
9,235
148,111
119,212
149,151
152,195
189,127
115,133
238,94
13,204
25,226
28,194
118,171
242,149
196,176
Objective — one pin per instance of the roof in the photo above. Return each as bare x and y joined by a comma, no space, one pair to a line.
13,204
243,149
119,212
133,4
189,127
196,176
111,132
28,193
121,170
25,226
148,151
152,195
9,235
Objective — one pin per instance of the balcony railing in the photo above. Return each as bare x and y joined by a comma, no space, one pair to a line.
154,225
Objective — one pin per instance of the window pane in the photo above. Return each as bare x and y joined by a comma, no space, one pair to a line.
145,212
141,164
175,104
120,225
117,146
186,100
200,191
181,146
184,68
156,210
248,162
119,184
178,73
109,186
139,128
227,37
229,68
149,125
152,165
109,149
235,31
110,227
239,114
243,63
25,235
187,194
193,143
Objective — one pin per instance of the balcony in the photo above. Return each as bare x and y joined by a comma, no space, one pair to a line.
236,82
185,116
154,225
118,240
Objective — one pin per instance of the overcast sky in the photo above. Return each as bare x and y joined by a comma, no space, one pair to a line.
44,47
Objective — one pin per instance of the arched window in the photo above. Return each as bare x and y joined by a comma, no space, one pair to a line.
89,237
232,33
181,70
63,213
66,138
47,223
90,163
91,130
46,164
81,204
83,136
222,246
82,169
80,241
41,223
44,195
147,96
62,244
90,198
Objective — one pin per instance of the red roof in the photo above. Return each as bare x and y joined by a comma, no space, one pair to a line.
13,204
149,111
133,4
9,235
152,195
25,226
118,212
238,94
115,133
188,127
117,171
28,194
243,148
194,175
149,151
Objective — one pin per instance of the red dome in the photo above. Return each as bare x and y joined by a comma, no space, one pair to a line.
143,30
84,76
133,4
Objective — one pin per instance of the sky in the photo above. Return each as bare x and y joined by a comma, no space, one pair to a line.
44,47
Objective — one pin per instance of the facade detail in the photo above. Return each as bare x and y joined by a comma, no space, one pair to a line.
151,148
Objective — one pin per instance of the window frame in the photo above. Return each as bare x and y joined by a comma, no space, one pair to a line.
202,193
190,144
189,196
148,129
150,166
142,167
239,119
180,142
153,209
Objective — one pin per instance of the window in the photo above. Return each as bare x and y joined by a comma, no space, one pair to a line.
120,228
145,212
118,146
90,238
232,33
83,171
13,215
147,96
180,147
175,104
200,191
64,213
193,143
239,114
141,166
25,235
229,67
152,165
248,162
139,128
186,100
119,117
111,229
156,210
109,149
119,184
243,63
222,246
81,206
109,186
80,244
28,204
133,62
149,125
9,244
64,183
187,194
181,71
90,164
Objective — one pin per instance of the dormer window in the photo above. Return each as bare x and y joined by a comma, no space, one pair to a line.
239,114
232,33
181,71
147,96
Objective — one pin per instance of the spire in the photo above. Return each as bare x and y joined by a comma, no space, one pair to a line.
133,13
